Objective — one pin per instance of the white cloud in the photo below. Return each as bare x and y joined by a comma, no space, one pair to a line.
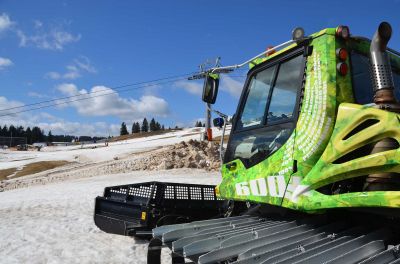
7,104
4,63
37,95
53,75
83,63
47,121
192,87
5,22
112,104
74,70
53,39
231,86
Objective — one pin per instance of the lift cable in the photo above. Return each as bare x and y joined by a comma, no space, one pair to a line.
87,97
113,88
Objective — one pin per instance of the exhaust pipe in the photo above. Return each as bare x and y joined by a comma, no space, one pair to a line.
382,77
384,98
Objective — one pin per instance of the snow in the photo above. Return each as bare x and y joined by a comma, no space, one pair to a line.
53,222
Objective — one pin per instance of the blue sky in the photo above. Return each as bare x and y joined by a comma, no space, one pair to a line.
52,49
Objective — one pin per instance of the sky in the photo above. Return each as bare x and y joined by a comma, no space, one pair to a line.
54,49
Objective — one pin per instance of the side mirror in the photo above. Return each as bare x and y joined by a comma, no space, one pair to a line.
218,122
210,88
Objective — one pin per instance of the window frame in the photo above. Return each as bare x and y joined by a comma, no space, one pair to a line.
243,98
297,51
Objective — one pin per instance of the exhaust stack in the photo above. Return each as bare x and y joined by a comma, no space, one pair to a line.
384,98
382,77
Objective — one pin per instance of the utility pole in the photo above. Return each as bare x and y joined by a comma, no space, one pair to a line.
208,130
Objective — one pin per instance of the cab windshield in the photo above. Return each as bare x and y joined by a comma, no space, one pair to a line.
265,118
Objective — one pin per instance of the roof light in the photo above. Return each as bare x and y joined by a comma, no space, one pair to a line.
342,68
342,54
270,51
298,33
343,32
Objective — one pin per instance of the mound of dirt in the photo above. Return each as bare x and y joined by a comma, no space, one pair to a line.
192,154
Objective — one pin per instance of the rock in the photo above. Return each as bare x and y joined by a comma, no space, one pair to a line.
166,165
181,154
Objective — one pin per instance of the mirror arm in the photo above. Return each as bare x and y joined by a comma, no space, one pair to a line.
221,145
227,69
217,112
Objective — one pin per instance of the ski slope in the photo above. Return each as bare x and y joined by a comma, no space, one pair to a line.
53,222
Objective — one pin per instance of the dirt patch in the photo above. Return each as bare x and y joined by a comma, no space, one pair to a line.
6,172
32,168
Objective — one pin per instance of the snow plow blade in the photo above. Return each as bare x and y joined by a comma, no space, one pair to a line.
135,209
250,240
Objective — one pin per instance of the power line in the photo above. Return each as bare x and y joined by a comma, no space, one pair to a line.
78,95
87,97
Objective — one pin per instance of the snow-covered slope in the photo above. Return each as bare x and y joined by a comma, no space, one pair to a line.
98,152
53,223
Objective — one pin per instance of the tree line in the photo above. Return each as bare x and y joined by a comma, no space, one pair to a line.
145,126
199,124
36,134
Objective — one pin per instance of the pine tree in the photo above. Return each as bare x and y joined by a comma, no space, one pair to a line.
152,125
135,128
123,130
37,135
4,131
49,137
28,134
162,128
145,126
158,126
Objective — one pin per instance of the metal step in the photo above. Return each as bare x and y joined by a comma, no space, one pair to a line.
252,240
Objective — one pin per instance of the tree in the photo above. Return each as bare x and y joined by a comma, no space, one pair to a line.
145,125
198,124
4,131
37,135
158,126
162,128
123,130
28,134
135,127
49,137
12,131
153,125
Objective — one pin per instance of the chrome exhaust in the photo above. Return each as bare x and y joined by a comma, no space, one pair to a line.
384,98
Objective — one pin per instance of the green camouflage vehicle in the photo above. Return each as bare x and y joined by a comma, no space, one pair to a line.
311,172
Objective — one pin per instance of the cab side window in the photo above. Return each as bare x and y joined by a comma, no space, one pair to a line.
266,118
283,99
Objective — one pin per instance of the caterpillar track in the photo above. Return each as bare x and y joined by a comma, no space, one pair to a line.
251,240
